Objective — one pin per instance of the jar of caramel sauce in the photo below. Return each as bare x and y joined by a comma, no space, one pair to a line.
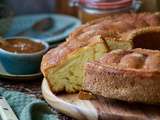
92,9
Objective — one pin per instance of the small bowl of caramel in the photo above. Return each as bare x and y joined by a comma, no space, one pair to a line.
22,55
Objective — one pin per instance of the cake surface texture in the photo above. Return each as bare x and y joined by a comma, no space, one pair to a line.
63,66
129,75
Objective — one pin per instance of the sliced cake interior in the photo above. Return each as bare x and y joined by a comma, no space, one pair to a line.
69,74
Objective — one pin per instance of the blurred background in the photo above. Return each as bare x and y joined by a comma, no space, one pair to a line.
21,7
75,11
70,14
31,12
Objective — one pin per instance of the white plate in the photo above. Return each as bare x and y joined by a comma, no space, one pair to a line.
100,108
69,104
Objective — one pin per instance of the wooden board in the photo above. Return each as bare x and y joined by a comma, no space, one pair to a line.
100,109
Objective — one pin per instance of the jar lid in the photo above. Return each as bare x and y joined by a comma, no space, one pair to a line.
106,4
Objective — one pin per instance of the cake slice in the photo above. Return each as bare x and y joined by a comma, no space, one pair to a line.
69,74
129,75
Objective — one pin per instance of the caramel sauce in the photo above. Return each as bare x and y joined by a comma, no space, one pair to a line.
22,46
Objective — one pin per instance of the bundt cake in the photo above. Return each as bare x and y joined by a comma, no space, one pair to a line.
63,65
130,75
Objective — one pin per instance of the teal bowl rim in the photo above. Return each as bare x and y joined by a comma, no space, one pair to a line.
46,45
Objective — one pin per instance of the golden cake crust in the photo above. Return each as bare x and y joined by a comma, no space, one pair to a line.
139,60
132,75
113,27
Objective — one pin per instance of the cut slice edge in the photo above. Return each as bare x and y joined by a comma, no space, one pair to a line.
69,75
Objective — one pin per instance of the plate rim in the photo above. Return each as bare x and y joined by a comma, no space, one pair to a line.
20,77
72,110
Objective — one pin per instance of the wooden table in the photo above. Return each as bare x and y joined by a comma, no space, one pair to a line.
32,88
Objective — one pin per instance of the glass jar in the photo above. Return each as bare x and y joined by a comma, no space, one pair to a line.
92,9
65,7
150,5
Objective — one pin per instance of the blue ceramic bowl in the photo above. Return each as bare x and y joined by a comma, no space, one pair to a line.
22,63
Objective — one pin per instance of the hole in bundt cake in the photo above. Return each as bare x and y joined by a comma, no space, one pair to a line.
148,40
